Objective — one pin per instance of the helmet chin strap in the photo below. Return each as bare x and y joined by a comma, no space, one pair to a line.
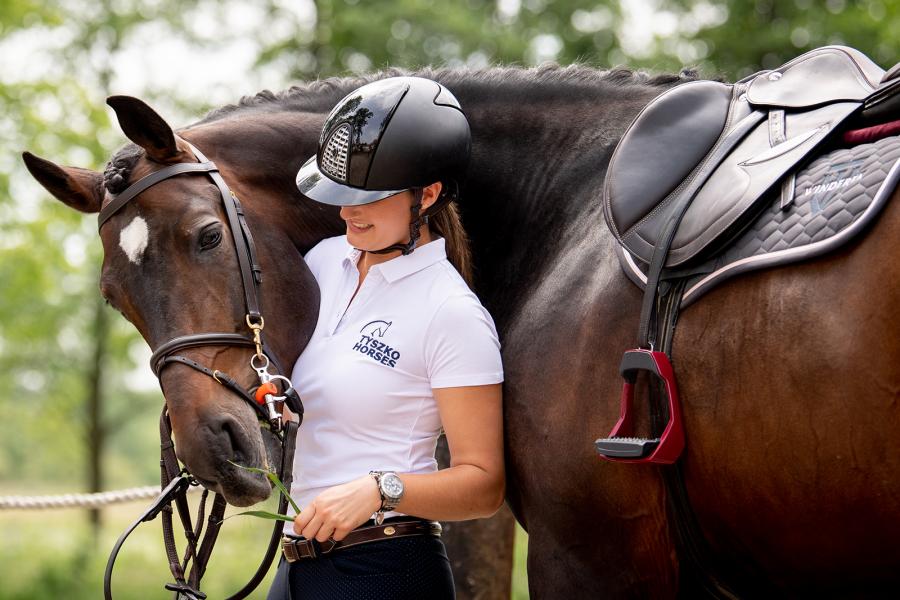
414,226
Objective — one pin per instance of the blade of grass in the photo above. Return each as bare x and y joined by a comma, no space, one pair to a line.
263,514
275,480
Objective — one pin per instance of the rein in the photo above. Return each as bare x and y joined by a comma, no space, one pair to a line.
264,399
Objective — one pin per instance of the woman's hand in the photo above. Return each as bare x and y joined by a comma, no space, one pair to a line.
338,510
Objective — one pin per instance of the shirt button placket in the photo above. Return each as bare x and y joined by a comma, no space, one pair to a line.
346,307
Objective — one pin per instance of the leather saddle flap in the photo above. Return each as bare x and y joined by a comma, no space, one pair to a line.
661,147
734,187
821,76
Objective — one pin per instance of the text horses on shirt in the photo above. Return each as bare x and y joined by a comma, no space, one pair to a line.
369,345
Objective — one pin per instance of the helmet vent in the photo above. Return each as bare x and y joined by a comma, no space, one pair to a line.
334,155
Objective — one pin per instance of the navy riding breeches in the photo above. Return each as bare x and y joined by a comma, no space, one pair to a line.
403,568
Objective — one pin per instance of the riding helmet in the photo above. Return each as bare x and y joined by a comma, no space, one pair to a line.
386,137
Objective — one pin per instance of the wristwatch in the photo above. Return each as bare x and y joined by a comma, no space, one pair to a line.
391,488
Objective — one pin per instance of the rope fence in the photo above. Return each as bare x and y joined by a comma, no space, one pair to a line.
95,500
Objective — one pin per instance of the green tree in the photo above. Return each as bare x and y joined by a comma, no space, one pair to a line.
737,38
62,352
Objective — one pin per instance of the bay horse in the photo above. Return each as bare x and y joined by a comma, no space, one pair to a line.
788,377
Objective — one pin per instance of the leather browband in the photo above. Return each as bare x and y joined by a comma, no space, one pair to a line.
150,180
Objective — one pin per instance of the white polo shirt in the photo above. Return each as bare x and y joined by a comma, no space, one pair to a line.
366,377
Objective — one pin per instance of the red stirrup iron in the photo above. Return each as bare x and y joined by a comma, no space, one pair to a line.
666,448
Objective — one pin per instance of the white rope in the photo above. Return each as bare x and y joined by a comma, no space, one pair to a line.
82,500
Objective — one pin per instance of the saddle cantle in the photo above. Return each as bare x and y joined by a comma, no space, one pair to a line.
720,147
689,177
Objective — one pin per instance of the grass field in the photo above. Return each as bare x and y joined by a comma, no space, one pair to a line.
51,554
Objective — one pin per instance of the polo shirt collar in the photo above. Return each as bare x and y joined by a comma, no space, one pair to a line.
401,266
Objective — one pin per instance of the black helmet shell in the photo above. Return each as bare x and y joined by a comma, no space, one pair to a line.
386,137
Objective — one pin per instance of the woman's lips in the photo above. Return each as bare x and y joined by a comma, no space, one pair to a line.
358,227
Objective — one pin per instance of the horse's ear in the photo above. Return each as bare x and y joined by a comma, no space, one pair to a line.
143,126
81,189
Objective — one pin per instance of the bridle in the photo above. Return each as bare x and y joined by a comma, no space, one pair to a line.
264,399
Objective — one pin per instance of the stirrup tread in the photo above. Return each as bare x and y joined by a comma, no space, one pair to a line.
626,447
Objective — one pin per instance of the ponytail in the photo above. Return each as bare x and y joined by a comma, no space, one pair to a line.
447,224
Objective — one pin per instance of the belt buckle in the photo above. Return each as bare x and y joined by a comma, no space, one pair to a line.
291,547
296,548
435,528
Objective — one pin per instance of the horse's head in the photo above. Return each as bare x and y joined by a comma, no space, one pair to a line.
170,266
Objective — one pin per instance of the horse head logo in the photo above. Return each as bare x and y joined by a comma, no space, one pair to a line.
375,327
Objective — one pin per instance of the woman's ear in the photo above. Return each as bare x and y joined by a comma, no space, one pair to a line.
430,195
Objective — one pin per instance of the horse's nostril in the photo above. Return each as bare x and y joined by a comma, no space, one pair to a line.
232,448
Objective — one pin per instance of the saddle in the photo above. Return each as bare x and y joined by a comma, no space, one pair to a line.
689,178
720,147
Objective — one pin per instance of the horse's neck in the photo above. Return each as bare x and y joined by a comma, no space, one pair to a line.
533,186
535,179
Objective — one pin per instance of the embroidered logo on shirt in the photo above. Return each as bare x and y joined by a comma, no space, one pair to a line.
371,346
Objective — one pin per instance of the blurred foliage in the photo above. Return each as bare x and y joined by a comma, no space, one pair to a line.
763,34
50,257
728,37
75,568
60,58
361,35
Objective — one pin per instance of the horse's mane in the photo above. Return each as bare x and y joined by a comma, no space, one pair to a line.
321,95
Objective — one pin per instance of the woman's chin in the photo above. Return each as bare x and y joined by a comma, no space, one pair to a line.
356,240
361,240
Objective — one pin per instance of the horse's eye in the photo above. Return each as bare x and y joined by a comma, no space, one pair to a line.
210,238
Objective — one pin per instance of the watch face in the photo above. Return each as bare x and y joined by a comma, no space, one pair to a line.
392,485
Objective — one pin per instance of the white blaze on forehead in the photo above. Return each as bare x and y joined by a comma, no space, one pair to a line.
133,239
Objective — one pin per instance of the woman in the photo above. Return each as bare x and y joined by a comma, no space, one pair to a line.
402,349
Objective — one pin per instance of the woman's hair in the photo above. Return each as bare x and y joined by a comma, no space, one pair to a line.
447,224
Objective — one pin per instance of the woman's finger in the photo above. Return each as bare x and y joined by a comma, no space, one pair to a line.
325,532
312,528
303,519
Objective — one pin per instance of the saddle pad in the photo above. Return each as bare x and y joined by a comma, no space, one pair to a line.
717,149
835,198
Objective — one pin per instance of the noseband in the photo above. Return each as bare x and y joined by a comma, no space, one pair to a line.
175,480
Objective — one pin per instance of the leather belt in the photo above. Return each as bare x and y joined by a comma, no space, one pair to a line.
295,548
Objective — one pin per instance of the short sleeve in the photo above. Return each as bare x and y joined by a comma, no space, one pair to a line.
461,345
319,253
